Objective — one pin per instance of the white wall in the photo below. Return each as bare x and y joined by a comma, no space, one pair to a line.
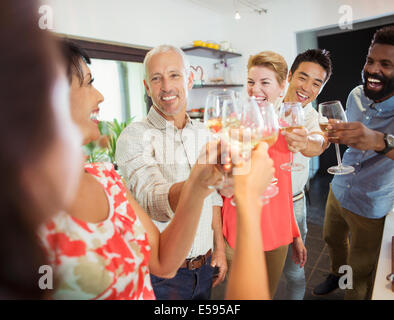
143,23
276,30
178,22
138,22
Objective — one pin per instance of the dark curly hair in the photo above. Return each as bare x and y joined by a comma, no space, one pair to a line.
384,36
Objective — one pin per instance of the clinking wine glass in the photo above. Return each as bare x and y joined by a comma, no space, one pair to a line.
270,136
245,131
328,112
216,103
291,116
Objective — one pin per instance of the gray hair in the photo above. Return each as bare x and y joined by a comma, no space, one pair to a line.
161,49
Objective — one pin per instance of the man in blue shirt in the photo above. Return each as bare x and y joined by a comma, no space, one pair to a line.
358,202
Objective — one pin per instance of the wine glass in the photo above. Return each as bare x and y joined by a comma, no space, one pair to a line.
333,111
245,131
291,116
270,136
217,101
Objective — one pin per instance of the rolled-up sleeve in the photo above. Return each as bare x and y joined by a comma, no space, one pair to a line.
136,160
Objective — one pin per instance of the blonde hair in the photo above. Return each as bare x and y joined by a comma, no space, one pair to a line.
271,60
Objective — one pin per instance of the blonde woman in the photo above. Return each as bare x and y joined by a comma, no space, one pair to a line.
267,74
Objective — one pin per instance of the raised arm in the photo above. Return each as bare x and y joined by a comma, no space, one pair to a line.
248,277
170,248
310,141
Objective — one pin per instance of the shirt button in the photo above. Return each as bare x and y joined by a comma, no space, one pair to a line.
348,185
358,163
367,117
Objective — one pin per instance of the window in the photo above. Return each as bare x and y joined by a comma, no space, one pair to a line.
121,84
118,74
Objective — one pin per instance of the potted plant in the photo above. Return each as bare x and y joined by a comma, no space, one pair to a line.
104,149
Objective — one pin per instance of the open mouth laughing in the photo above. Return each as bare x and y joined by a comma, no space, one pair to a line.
301,97
94,116
374,84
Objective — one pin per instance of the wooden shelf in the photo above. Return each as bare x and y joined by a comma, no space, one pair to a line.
210,53
217,86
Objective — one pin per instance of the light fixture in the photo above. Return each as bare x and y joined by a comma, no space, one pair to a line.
237,15
252,5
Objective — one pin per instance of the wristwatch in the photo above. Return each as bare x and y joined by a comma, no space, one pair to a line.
389,142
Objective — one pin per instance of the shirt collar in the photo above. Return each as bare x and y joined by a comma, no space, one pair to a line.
158,121
383,107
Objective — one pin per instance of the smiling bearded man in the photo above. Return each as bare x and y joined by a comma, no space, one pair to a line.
359,202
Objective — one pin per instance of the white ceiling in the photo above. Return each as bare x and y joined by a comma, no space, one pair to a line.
230,6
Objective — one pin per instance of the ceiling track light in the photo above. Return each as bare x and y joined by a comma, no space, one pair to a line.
260,11
252,6
237,16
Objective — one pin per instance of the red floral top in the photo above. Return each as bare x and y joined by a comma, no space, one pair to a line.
105,260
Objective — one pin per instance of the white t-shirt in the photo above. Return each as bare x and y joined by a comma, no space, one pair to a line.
300,178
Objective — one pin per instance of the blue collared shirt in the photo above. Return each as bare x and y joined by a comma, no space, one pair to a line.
369,191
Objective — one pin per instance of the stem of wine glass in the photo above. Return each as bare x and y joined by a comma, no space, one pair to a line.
338,155
291,159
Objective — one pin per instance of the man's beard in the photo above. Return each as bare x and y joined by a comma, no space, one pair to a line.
387,86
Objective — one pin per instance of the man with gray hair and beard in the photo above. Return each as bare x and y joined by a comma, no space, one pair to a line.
156,155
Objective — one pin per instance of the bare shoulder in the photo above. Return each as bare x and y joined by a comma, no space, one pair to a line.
91,203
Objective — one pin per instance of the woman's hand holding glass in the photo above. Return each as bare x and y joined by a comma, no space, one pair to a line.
244,131
257,172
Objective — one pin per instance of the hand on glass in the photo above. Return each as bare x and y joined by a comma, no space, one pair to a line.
331,114
254,174
354,134
208,170
297,140
291,118
219,105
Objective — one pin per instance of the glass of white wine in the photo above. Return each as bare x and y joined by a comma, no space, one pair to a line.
291,116
328,112
245,131
218,102
270,136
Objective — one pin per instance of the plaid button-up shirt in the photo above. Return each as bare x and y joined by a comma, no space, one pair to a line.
152,155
